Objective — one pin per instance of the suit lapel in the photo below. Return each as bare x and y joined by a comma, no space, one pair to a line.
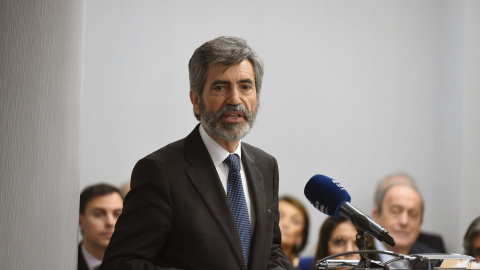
258,201
204,177
82,264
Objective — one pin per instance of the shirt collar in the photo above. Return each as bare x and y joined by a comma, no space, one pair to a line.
380,246
91,261
217,152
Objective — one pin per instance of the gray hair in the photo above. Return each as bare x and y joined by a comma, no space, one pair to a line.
392,179
226,50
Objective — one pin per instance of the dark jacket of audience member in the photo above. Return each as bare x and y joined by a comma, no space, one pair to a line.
81,263
433,241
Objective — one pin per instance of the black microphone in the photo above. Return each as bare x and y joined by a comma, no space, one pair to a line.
331,198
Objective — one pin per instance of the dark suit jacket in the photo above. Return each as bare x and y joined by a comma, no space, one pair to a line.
435,242
420,248
177,215
82,264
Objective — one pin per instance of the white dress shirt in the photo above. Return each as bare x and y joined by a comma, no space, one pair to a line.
218,155
92,262
401,264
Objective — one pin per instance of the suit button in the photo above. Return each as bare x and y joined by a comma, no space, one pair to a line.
270,210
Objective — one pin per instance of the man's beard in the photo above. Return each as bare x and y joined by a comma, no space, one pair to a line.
227,131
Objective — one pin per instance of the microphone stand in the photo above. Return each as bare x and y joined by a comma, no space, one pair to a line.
365,262
417,262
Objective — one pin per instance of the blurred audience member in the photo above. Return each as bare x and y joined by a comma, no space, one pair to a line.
434,241
337,235
471,240
294,225
400,211
100,206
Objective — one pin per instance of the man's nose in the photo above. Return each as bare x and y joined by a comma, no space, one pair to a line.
234,96
110,220
404,218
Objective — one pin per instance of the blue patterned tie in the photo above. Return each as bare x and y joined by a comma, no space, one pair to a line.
238,203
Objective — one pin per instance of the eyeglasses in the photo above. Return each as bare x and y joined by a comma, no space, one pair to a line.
341,242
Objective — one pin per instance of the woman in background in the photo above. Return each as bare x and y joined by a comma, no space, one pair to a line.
294,226
337,235
471,240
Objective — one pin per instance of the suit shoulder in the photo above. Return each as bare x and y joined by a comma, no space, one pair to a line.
256,151
419,248
162,164
169,151
176,149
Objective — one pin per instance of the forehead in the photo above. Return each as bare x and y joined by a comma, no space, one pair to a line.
404,196
345,229
287,207
108,201
243,68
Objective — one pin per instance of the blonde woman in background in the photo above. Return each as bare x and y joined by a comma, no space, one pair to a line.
294,226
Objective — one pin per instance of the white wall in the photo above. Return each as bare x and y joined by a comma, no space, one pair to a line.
354,90
470,128
40,84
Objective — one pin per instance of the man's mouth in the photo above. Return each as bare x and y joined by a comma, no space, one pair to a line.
233,115
107,234
402,233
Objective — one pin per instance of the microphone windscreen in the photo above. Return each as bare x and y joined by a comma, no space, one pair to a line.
326,194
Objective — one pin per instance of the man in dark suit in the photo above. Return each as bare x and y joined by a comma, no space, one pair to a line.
189,206
100,206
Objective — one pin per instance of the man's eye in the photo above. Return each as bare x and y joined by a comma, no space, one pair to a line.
395,211
219,87
414,214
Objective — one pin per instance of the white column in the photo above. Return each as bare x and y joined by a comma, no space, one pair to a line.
40,84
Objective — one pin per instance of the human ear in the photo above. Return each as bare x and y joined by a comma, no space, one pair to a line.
195,99
80,221
375,214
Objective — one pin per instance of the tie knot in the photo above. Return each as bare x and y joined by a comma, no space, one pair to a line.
232,162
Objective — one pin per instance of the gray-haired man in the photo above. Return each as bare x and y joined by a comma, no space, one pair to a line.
208,201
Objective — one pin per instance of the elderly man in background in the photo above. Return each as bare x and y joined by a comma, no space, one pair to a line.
434,241
400,209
